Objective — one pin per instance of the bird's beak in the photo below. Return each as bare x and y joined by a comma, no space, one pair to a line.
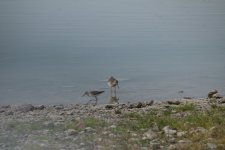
83,95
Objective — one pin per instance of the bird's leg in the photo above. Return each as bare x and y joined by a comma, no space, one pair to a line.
90,101
96,100
110,91
115,91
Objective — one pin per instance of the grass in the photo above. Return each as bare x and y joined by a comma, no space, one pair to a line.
212,121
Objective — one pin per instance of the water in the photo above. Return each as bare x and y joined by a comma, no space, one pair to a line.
51,51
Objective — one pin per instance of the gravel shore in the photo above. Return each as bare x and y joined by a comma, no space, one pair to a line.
87,127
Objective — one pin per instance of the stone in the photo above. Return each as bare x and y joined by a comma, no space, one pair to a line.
211,93
199,130
40,107
186,97
88,129
23,108
181,133
8,113
184,144
211,146
70,112
109,106
172,147
155,145
169,132
70,132
112,135
149,135
59,107
112,126
149,103
118,111
172,140
155,127
48,124
173,102
217,96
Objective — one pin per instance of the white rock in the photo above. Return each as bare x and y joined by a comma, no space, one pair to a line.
113,126
169,132
149,135
71,132
211,146
184,144
182,133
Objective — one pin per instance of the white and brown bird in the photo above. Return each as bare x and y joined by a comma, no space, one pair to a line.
93,94
113,83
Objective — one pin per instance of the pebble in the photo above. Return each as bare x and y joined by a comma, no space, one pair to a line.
149,135
184,144
169,132
70,132
211,146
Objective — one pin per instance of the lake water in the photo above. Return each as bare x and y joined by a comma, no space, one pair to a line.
51,51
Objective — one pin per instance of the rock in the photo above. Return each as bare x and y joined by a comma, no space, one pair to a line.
9,113
211,93
182,133
186,97
89,129
112,135
23,108
222,101
149,135
173,102
48,124
199,130
112,126
155,145
149,103
172,147
217,96
40,107
211,146
70,132
169,132
58,107
5,106
118,111
183,144
122,106
155,127
82,144
172,141
70,112
109,106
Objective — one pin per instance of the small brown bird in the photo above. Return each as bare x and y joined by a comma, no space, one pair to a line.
113,83
93,94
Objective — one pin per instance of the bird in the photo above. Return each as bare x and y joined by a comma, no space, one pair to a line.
93,94
113,83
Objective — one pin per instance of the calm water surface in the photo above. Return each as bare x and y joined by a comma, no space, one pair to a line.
51,51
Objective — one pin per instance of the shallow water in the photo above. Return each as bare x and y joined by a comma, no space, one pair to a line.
53,51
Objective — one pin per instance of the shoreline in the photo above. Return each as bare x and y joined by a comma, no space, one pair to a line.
76,126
